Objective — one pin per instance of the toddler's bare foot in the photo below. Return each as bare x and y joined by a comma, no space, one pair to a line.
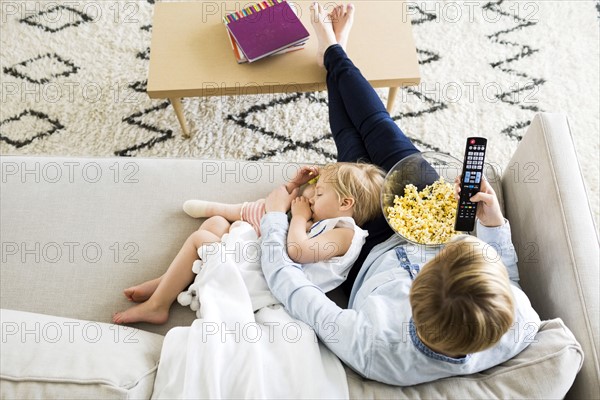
143,312
323,29
142,292
341,20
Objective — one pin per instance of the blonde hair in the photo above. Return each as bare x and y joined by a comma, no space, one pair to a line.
359,181
461,300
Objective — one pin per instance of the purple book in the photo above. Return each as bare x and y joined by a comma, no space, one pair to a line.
267,31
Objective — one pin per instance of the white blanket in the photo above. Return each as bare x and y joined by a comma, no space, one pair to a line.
234,352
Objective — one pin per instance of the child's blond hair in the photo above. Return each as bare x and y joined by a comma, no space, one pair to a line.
461,300
359,181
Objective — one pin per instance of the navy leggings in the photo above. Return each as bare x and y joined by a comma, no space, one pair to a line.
363,131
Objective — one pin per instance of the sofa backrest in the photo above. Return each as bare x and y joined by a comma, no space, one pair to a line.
76,231
555,237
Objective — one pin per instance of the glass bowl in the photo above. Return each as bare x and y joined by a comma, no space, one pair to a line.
420,170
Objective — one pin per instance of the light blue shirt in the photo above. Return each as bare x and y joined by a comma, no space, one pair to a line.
375,336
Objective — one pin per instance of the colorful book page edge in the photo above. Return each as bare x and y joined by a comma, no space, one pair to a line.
252,9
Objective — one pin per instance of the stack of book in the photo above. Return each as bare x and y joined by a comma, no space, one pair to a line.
265,29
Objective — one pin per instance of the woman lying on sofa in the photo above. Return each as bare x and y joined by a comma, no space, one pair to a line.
410,318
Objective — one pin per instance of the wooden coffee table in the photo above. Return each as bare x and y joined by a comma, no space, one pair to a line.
190,53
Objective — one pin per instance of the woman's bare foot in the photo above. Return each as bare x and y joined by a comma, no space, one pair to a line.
321,23
142,292
143,312
341,20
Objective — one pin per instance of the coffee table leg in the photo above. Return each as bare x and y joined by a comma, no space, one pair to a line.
176,103
391,98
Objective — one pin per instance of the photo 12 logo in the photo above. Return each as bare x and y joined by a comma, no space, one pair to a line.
66,331
56,15
69,252
248,172
470,11
69,172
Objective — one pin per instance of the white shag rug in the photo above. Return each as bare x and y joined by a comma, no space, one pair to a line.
73,77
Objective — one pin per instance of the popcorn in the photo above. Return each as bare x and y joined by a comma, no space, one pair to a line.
425,217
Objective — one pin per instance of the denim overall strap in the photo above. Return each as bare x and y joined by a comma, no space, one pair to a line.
412,269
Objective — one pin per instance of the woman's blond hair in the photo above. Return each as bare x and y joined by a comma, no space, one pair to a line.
359,181
461,300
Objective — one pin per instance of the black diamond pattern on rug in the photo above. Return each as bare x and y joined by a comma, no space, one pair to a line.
514,129
42,69
159,135
521,96
430,105
426,56
139,86
283,142
423,16
145,54
57,18
412,95
26,127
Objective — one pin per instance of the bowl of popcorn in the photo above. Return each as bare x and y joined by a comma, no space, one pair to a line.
418,200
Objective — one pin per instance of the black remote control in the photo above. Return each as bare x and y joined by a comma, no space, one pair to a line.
472,174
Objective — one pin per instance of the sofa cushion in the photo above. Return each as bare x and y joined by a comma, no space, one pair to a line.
546,369
52,357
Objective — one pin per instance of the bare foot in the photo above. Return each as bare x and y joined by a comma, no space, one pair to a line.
143,312
321,23
341,20
142,292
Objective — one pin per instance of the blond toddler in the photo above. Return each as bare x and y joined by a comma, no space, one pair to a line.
324,234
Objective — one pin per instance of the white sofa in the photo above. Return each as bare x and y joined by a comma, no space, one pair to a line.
76,231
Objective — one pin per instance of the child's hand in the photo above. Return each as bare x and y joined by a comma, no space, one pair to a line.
301,208
488,210
279,199
304,175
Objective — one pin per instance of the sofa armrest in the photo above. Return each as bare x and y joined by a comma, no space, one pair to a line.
555,237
